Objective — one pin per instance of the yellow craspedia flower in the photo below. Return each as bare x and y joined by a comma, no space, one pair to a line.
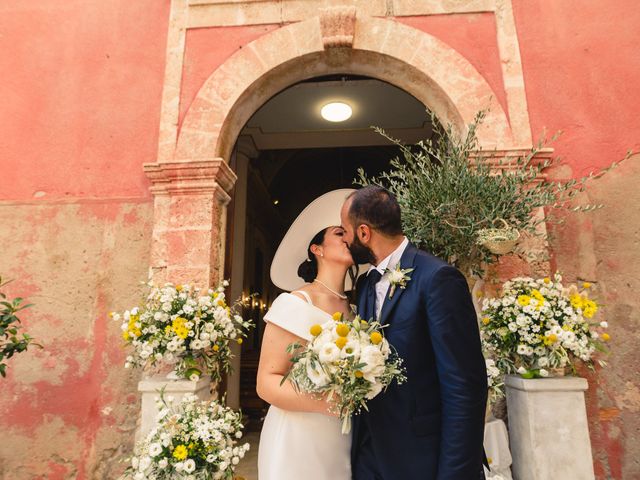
180,452
111,314
341,342
524,300
376,337
342,329
547,280
178,288
337,316
586,285
606,337
216,348
486,320
359,374
239,341
315,330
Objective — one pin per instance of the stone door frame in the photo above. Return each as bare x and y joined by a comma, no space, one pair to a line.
191,179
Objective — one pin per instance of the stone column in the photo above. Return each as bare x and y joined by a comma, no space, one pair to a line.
245,150
548,428
190,201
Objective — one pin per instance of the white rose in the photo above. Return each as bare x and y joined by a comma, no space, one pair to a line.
604,324
522,370
316,374
163,463
189,465
375,389
373,359
329,353
543,373
145,462
155,449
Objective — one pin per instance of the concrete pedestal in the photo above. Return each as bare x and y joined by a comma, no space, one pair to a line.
548,428
150,389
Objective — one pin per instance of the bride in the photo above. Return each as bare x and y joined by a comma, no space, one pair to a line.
301,438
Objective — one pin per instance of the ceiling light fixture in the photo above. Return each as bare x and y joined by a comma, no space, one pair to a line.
336,112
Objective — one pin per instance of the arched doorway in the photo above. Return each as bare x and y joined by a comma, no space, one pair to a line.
286,156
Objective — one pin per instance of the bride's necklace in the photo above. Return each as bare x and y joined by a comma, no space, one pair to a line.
344,297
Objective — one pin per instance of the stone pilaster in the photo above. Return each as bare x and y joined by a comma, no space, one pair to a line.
190,201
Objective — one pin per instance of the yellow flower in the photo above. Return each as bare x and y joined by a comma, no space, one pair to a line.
337,316
524,300
567,328
358,374
125,334
547,280
376,337
239,341
342,329
576,300
589,308
550,339
182,332
111,314
486,320
167,329
586,285
220,303
178,288
341,342
606,337
179,322
216,348
315,330
180,452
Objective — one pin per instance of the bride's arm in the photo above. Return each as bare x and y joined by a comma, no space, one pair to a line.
274,364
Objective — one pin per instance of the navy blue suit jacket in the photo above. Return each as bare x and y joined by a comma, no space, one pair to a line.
432,426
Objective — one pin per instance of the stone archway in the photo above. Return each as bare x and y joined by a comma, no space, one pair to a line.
192,180
339,41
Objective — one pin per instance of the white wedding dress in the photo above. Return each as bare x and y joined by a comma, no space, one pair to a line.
301,445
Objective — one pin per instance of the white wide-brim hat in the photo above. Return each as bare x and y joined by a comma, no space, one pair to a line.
323,212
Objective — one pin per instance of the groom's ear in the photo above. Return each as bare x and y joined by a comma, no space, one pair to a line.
364,233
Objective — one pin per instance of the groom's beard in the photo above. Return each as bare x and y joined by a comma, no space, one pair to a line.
361,253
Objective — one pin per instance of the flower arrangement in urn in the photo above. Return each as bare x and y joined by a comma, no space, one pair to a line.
193,440
184,327
538,325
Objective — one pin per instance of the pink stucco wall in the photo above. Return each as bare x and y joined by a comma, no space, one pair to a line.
582,67
81,89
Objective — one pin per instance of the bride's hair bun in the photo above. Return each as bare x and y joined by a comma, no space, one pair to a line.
308,270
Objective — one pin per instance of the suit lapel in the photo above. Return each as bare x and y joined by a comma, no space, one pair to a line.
406,261
361,296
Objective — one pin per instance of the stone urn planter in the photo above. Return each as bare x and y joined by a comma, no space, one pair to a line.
173,387
548,428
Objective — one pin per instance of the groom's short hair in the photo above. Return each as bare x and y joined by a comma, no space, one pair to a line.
377,207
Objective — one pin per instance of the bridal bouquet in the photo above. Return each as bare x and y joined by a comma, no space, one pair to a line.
537,325
193,440
349,359
185,327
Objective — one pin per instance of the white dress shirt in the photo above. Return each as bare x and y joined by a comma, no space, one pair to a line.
383,284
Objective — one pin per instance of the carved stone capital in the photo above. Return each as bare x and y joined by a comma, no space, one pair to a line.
192,178
338,26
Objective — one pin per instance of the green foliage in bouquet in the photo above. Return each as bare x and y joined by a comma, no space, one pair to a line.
10,342
450,194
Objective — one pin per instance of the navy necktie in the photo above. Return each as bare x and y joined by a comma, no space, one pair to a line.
373,277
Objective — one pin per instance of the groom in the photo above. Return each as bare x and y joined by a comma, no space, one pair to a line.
430,427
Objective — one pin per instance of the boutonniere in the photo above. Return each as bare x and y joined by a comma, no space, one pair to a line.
398,277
